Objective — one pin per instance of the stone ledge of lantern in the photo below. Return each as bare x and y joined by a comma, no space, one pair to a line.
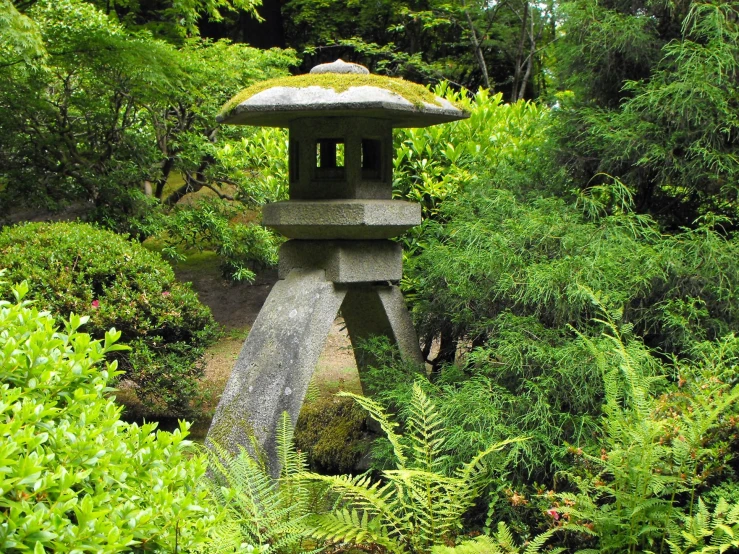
351,219
352,261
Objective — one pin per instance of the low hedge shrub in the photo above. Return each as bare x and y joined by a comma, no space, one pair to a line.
75,267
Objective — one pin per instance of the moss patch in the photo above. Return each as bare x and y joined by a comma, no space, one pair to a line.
340,82
332,431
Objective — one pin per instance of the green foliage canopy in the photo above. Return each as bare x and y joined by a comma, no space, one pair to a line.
113,112
653,103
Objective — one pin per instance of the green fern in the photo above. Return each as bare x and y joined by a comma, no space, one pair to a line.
415,506
501,542
260,510
706,531
654,450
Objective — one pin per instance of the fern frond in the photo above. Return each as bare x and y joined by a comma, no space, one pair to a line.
706,531
538,542
313,392
379,415
290,461
425,427
479,545
504,537
258,511
429,499
351,526
471,473
225,538
362,493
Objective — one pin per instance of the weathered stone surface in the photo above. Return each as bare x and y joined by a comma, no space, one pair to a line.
275,365
341,219
374,310
310,182
277,106
365,261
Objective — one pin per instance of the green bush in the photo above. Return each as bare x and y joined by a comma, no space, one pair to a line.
505,280
210,224
74,477
74,267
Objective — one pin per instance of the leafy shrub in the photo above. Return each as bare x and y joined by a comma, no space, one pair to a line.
78,268
75,477
502,281
501,142
507,277
652,102
209,224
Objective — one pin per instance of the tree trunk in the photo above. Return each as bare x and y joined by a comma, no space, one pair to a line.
519,53
478,48
530,61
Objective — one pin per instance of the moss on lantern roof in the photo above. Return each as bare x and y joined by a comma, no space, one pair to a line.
339,82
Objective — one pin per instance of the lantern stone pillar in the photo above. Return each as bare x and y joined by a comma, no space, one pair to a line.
339,219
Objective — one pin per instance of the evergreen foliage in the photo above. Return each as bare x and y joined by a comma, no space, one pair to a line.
510,273
654,104
509,261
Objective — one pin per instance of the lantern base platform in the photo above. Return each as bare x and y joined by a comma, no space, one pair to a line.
279,356
341,219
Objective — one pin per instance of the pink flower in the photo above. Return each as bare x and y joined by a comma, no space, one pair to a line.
166,293
95,304
551,512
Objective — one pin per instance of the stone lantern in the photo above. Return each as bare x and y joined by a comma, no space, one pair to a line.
339,218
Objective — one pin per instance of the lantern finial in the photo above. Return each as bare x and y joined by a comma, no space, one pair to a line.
340,66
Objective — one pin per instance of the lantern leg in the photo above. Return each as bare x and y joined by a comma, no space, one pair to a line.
373,310
276,363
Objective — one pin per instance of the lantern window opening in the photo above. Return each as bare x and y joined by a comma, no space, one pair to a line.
329,153
330,156
371,159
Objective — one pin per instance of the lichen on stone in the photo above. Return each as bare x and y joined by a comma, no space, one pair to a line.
339,82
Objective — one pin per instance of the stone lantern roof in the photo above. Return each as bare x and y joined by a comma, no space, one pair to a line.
338,89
